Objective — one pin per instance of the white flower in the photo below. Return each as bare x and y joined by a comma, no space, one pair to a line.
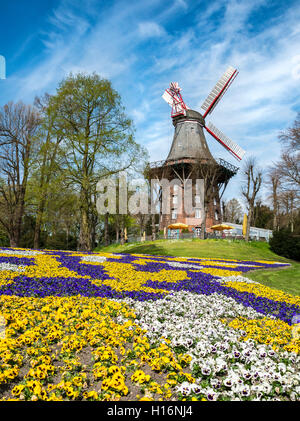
271,353
215,343
266,388
185,388
246,374
196,388
282,367
228,382
93,258
21,252
244,391
206,370
10,266
215,383
211,395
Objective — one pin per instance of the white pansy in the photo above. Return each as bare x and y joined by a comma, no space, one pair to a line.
93,259
236,369
10,266
211,394
183,265
21,252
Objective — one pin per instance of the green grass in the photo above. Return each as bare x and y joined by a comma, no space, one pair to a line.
286,279
223,249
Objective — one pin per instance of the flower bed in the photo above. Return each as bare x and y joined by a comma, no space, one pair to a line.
103,326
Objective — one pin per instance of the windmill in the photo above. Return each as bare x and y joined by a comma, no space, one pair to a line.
173,97
190,158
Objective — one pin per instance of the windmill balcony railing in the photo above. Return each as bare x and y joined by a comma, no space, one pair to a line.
220,161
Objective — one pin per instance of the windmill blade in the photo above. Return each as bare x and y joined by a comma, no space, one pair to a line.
168,98
231,146
173,97
219,90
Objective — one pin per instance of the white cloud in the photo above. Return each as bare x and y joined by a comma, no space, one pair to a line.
150,30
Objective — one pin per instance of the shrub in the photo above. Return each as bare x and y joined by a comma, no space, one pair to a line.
285,244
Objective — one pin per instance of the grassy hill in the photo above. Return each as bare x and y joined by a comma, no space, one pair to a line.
287,279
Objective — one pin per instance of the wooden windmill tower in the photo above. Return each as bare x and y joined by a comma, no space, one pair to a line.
190,157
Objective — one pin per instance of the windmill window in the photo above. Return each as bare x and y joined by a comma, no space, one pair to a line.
175,199
174,214
198,213
197,198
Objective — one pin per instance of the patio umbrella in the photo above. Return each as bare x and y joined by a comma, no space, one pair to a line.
221,227
178,225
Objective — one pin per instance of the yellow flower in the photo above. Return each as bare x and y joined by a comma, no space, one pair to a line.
140,377
16,391
90,395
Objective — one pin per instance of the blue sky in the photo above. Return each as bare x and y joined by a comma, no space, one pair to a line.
141,46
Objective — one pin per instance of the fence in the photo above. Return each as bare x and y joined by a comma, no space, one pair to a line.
176,235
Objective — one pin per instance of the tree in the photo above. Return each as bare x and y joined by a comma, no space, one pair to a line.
283,179
263,216
289,163
47,165
97,139
289,201
291,137
142,220
273,184
18,128
252,183
233,211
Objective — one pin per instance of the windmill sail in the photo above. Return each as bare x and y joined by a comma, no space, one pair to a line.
231,146
173,97
168,98
219,90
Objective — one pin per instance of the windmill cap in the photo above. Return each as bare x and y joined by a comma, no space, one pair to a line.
190,115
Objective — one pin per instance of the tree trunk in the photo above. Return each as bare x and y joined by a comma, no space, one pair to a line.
106,236
153,227
12,241
122,234
275,223
141,223
37,231
67,238
15,235
93,236
84,237
37,228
